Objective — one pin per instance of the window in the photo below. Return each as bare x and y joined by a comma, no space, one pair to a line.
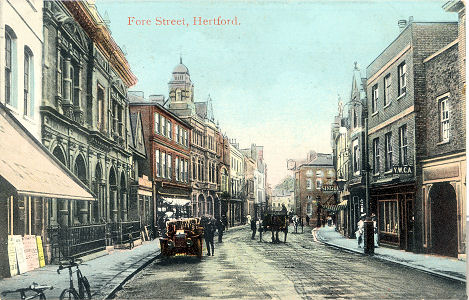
157,122
185,170
158,163
403,145
186,140
164,130
401,73
319,173
355,118
60,67
176,131
177,168
356,157
28,80
100,107
8,66
163,167
388,150
388,221
444,120
309,184
374,98
170,166
170,132
376,156
318,183
194,170
308,209
387,90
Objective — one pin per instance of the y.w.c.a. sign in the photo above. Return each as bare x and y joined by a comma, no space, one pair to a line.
403,169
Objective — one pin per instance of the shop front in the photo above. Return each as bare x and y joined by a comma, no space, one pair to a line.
444,205
394,208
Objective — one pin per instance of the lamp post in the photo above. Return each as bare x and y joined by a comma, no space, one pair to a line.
318,222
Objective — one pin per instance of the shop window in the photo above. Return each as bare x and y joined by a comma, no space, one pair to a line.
388,217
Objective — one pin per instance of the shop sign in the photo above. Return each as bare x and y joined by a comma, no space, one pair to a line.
30,251
40,251
329,188
403,169
20,255
12,256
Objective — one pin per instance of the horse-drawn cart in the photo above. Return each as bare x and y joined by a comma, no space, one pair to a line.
276,221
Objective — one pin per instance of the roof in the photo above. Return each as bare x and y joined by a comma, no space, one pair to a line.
181,68
169,112
30,168
135,126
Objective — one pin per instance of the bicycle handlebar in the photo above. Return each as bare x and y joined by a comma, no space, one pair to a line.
74,262
33,287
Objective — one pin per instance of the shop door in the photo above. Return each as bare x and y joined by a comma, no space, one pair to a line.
406,221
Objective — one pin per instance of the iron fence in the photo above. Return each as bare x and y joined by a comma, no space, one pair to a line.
124,232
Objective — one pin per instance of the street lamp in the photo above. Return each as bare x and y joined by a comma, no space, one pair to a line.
318,222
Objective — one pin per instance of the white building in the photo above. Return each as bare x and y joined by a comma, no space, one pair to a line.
237,183
21,37
283,197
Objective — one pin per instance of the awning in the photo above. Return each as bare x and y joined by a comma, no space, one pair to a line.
30,168
176,201
336,207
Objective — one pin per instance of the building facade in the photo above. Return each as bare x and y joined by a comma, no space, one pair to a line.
22,39
443,191
395,90
84,112
237,185
203,152
168,144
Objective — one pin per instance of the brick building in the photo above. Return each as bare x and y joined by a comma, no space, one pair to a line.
167,140
314,179
443,147
396,98
223,174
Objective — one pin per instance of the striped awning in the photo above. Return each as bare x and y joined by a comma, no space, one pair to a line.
176,201
336,207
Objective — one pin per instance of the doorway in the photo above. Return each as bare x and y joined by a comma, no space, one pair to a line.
444,222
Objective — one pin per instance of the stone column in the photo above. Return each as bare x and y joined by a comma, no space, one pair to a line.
83,211
63,212
114,205
124,205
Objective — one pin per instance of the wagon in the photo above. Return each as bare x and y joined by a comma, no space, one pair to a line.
275,221
183,237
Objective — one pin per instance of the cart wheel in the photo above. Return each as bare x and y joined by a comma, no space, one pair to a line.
199,249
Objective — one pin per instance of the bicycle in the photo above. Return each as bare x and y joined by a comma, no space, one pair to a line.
84,291
37,289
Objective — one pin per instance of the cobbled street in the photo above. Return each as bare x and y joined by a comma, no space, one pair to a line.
299,269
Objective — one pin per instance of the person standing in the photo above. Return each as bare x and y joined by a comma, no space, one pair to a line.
261,229
221,229
209,230
253,228
307,220
360,230
375,230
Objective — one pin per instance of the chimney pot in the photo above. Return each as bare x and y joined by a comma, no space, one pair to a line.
402,24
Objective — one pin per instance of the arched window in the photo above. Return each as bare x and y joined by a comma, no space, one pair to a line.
28,87
10,67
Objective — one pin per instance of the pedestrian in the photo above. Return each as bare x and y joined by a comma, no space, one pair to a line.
329,221
295,223
360,230
375,227
261,229
209,231
307,220
221,229
253,228
285,231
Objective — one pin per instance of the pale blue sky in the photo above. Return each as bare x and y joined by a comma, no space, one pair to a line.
274,79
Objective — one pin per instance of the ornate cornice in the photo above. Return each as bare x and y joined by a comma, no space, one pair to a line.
88,18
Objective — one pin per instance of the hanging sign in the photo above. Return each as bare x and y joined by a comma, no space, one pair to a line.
329,188
40,251
30,250
20,255
12,256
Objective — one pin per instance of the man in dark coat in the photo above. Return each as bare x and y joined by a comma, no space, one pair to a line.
220,228
253,228
209,231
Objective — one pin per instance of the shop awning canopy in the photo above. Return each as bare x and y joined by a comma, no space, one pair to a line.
176,201
336,207
30,168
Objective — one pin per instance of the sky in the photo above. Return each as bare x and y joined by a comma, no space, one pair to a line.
275,78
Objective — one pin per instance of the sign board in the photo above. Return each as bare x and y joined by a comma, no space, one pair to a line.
329,188
291,164
30,250
20,255
403,169
40,251
12,256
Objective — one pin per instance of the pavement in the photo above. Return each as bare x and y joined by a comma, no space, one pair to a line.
446,267
105,273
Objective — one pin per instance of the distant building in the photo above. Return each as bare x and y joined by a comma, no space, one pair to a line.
283,197
237,184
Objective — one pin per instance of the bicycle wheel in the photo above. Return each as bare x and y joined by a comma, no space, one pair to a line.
69,294
42,296
85,290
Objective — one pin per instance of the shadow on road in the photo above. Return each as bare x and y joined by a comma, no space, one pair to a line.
165,261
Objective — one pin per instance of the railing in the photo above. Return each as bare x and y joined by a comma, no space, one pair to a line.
75,241
124,232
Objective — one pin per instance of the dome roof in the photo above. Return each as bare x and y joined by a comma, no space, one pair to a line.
181,68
